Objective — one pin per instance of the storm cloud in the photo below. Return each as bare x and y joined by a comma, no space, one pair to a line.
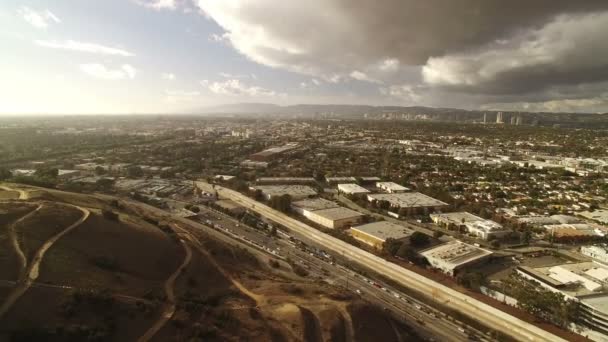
510,51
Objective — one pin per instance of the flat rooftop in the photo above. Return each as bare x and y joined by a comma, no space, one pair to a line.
458,218
408,200
295,191
578,279
383,230
391,186
352,188
456,253
336,214
313,204
340,179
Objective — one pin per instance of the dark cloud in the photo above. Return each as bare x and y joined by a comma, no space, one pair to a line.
494,47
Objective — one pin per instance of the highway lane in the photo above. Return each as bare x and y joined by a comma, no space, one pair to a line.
492,317
433,323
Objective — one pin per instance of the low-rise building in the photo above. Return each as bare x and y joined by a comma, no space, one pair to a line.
454,256
336,217
475,225
295,191
352,189
599,253
600,215
376,233
337,180
391,187
585,283
408,200
306,206
285,180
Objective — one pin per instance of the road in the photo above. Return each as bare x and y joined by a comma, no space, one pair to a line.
170,303
426,320
492,317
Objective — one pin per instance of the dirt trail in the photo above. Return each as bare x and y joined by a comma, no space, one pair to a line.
257,298
23,195
32,273
15,241
170,305
348,322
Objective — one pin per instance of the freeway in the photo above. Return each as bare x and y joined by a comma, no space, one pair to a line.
492,317
429,322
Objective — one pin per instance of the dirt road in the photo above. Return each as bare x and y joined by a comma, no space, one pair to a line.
170,304
30,276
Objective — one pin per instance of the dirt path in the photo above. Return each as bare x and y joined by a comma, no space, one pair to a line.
33,271
348,323
23,195
12,232
170,305
257,298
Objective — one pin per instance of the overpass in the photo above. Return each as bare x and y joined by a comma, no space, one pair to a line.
475,309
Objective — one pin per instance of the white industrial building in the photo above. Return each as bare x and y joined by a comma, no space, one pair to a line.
352,189
583,282
600,215
376,233
599,253
326,213
335,217
391,187
295,191
475,225
455,255
308,205
408,200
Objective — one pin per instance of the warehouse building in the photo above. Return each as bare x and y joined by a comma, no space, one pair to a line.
584,282
295,191
408,200
337,180
272,153
454,256
335,218
391,187
482,228
376,233
352,189
285,180
306,206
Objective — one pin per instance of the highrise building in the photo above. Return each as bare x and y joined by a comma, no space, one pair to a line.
499,118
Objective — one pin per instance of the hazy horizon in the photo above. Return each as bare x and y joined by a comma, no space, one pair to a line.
176,56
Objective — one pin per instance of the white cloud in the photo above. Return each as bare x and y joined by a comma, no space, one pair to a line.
97,70
181,95
40,19
389,65
234,87
403,92
158,4
361,76
218,38
83,47
168,76
315,81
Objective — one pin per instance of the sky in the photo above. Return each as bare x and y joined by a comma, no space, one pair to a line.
166,56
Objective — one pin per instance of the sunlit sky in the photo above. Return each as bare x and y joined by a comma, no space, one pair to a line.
162,56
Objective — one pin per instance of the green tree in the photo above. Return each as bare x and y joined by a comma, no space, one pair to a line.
391,246
418,239
135,171
4,173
